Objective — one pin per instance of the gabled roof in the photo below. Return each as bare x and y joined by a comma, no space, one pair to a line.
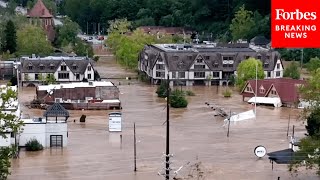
51,66
56,110
286,88
39,10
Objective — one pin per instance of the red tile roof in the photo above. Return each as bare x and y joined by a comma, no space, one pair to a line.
39,10
286,88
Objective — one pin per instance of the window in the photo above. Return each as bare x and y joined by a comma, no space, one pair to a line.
226,58
36,76
30,67
174,75
89,68
247,57
63,75
248,89
199,66
268,74
278,74
160,59
190,57
159,66
63,68
89,76
160,74
182,74
215,64
199,74
199,61
262,91
12,134
273,92
74,66
227,65
266,65
215,74
41,67
259,57
56,141
207,57
51,66
278,66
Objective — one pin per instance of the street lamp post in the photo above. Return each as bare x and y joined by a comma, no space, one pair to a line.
255,99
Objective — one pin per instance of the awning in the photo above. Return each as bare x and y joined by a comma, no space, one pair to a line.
276,102
282,157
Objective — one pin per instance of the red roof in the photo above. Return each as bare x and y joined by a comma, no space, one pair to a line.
286,88
39,10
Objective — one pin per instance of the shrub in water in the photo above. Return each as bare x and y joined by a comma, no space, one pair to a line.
83,118
227,93
162,90
33,145
190,93
178,100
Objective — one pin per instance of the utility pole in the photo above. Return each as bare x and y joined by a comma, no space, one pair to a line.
229,124
135,147
99,29
168,140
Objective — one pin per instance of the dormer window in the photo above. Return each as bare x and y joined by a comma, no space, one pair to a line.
89,68
266,65
259,57
199,61
74,66
215,64
41,67
51,66
30,67
190,57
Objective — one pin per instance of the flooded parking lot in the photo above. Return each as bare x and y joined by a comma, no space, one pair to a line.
195,135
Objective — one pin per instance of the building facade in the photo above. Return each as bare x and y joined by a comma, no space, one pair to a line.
63,69
203,64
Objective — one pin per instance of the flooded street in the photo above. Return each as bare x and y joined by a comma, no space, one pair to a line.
195,135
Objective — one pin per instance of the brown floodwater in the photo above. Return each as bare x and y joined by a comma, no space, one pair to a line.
196,135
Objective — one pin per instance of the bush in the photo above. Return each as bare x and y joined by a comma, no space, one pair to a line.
313,123
162,90
227,93
96,58
83,118
33,145
178,100
190,93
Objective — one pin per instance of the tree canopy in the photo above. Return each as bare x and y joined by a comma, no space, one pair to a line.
292,71
247,70
311,91
313,64
32,40
242,24
10,41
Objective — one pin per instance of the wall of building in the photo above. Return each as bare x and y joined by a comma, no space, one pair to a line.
111,92
33,131
81,93
7,141
57,129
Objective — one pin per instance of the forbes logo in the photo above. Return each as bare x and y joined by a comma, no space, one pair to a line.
281,14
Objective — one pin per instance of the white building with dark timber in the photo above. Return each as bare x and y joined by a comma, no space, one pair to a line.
64,69
203,64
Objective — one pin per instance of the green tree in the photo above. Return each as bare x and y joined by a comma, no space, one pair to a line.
33,40
311,90
10,121
162,90
242,24
247,70
68,32
310,145
178,99
313,64
10,43
292,71
50,79
83,49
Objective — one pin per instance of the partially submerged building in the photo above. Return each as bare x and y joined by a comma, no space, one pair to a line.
35,70
286,90
203,64
83,95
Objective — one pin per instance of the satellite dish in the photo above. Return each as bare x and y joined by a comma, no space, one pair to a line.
260,151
